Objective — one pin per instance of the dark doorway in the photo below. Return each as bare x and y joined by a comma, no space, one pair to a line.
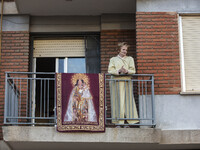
45,88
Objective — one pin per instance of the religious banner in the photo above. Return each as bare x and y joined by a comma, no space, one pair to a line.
80,102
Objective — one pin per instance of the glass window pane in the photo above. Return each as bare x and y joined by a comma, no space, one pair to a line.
76,65
61,65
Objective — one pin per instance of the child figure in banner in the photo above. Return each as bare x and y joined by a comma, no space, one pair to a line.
122,99
80,106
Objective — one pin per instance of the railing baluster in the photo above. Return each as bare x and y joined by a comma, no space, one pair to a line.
13,99
20,97
33,109
105,101
6,99
152,99
16,112
55,100
139,99
125,103
27,84
131,97
48,98
41,98
146,110
30,98
9,99
142,100
111,97
44,97
118,102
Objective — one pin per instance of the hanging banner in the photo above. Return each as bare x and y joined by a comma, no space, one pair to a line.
80,102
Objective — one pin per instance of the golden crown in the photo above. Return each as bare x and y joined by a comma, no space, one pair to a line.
80,76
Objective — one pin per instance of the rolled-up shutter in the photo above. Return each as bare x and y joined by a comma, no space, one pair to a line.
59,48
191,48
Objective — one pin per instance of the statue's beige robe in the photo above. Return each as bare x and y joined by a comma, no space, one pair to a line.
122,99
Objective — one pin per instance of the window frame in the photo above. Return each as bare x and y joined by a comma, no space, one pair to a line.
182,63
34,36
32,59
182,57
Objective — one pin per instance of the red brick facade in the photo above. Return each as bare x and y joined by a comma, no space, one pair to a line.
109,40
158,49
14,57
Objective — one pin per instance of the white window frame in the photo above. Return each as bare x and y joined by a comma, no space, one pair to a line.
183,84
65,65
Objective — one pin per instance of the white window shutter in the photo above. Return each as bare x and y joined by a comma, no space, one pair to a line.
191,49
59,48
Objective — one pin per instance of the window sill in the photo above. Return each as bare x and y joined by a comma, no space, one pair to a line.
190,93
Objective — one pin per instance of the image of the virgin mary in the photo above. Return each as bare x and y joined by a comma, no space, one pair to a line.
80,108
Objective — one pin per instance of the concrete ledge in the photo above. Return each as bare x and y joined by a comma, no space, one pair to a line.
31,138
180,137
16,23
49,134
168,6
4,146
112,135
9,8
190,93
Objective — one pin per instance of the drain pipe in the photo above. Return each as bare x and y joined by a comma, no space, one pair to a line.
1,28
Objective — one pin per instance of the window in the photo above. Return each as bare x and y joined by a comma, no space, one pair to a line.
190,52
71,65
73,55
76,65
63,55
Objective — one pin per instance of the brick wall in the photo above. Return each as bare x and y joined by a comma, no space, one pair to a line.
15,57
109,40
158,49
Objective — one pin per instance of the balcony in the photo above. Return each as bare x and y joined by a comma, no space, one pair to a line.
30,117
30,99
30,114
